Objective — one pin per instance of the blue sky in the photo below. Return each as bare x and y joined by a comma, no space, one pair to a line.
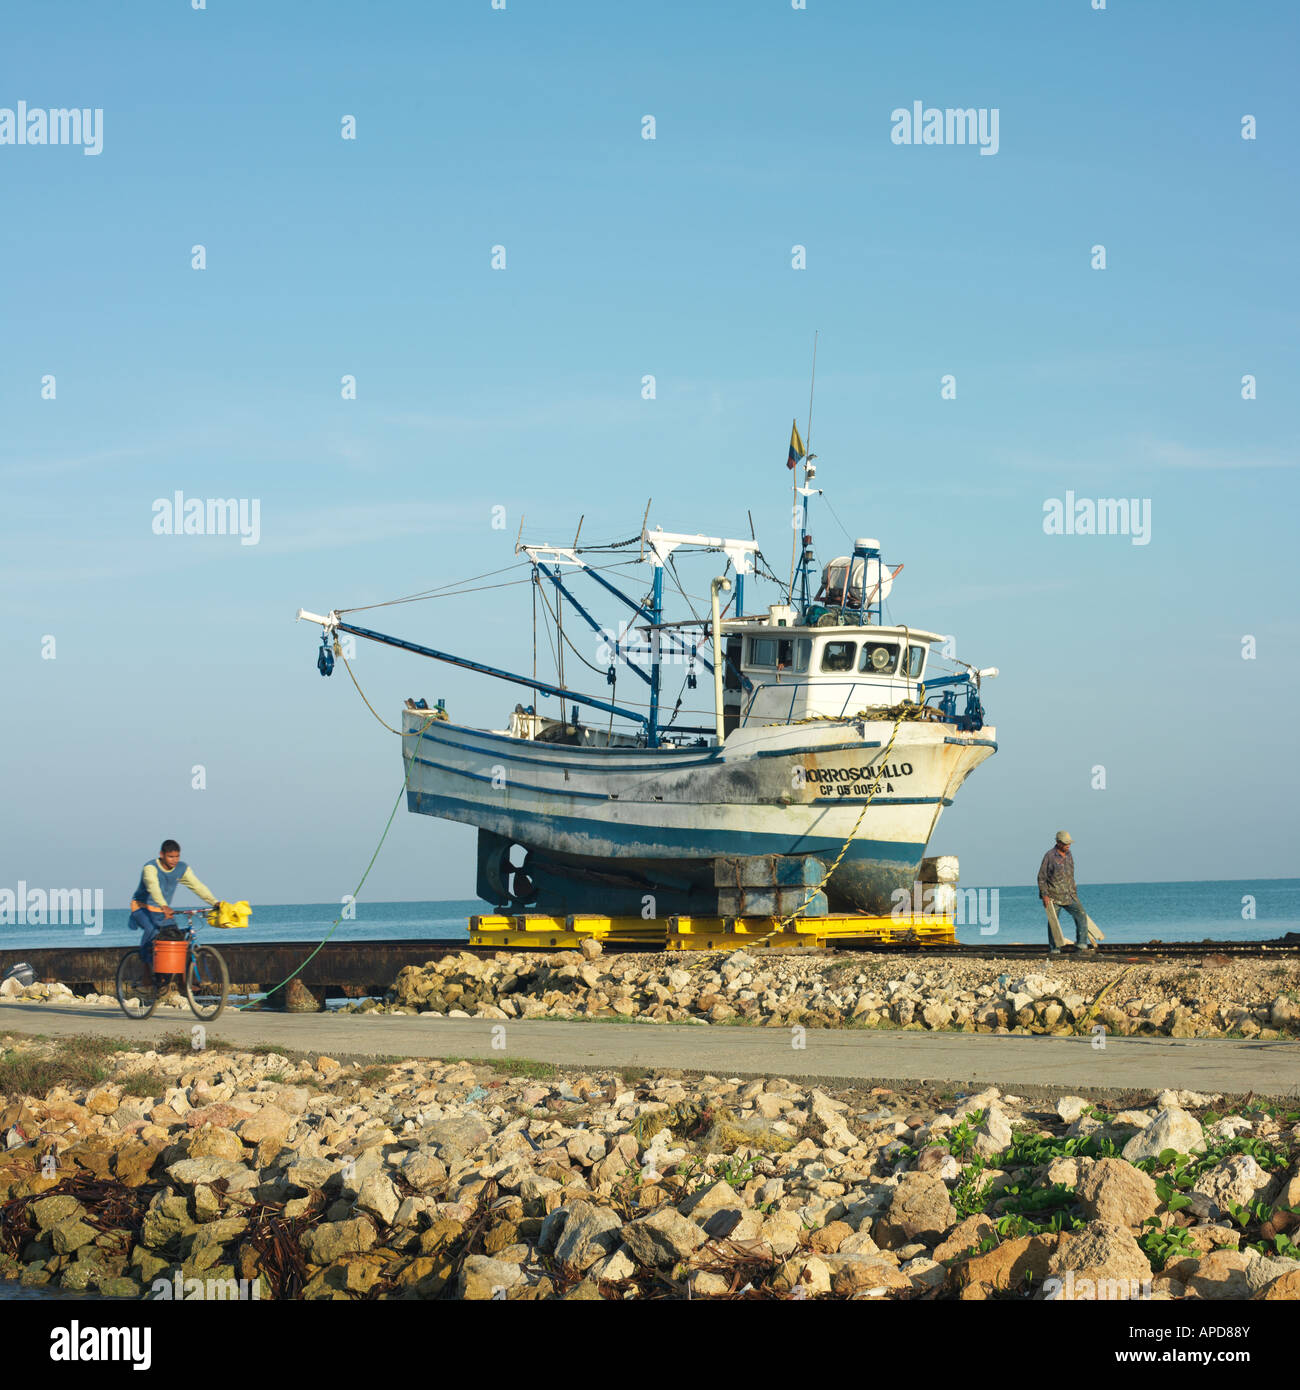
522,389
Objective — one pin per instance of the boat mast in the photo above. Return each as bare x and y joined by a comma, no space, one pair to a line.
657,609
809,470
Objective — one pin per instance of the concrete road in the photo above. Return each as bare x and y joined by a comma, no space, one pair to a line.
848,1056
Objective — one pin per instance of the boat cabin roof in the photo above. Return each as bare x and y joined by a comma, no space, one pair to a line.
764,627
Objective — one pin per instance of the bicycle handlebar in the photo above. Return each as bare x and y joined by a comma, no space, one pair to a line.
187,912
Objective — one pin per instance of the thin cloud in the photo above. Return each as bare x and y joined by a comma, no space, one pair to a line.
597,410
330,528
1171,454
72,463
1144,452
286,530
992,593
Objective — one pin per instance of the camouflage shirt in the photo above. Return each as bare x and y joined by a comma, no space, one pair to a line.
1056,877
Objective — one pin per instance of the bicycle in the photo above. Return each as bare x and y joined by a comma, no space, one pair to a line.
206,979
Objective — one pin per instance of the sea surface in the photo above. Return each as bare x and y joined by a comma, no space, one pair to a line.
1227,910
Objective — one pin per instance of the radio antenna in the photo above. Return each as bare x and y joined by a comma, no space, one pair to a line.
807,444
807,438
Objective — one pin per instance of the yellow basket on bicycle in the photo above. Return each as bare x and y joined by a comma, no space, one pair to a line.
230,914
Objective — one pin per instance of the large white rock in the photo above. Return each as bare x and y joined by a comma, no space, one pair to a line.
1035,986
590,1235
1237,1181
379,1197
482,1277
994,1135
662,1238
1174,1129
1166,1099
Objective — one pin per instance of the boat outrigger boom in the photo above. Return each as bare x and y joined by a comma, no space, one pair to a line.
333,623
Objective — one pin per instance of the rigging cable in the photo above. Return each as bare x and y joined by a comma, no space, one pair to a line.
441,590
836,515
388,825
568,641
844,849
455,588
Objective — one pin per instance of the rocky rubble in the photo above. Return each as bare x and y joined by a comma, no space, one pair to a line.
1209,997
1243,998
311,1179
56,993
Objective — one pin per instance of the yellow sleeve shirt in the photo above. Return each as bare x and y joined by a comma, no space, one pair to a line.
188,880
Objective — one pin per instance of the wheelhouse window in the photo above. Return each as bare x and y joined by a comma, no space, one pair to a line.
915,662
785,653
762,651
838,656
879,658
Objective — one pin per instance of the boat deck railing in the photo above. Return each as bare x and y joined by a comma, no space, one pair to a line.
849,705
942,694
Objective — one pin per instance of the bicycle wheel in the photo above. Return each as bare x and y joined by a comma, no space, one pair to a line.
137,987
207,982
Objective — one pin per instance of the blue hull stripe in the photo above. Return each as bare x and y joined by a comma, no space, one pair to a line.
570,749
885,801
633,801
668,841
522,786
671,762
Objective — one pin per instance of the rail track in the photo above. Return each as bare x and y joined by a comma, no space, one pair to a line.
357,969
1279,947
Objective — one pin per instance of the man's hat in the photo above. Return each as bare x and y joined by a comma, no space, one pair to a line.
1063,837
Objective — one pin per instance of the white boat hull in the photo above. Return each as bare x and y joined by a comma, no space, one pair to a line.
647,819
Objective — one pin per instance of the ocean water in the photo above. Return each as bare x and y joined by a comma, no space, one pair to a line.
1131,912
1126,912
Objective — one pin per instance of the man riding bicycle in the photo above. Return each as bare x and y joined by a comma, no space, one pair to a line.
151,908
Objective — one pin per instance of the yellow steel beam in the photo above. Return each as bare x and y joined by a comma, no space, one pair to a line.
536,930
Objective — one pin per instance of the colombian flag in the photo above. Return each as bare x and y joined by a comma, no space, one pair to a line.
796,446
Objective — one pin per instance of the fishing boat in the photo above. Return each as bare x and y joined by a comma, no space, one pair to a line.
829,741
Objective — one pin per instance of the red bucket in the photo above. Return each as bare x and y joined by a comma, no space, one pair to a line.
169,957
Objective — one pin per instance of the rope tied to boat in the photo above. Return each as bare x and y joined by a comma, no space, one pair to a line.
844,848
362,693
356,893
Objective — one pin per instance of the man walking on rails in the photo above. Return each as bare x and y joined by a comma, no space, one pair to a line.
151,902
1057,890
